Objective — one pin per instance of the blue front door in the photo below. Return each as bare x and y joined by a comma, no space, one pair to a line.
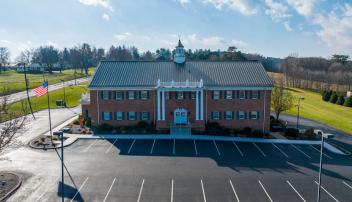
180,116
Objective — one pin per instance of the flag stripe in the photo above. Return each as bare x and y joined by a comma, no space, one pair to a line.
41,90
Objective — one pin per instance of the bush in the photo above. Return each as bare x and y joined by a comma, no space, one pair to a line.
76,122
292,132
348,102
246,130
333,98
214,128
88,122
309,134
340,100
104,127
327,95
257,133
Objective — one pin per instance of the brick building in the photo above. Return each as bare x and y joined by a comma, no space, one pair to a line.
236,94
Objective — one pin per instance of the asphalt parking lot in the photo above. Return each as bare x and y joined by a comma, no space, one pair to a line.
195,170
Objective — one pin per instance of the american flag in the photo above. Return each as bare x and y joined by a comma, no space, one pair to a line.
41,90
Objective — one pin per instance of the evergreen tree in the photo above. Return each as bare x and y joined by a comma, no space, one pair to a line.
333,98
340,100
327,95
348,102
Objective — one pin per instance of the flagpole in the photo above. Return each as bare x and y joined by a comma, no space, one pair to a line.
51,132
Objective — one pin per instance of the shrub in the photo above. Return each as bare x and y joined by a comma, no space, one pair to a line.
327,95
88,122
257,133
292,132
348,102
104,127
246,130
340,100
309,134
333,98
76,122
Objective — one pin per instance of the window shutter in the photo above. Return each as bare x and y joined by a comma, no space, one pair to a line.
245,115
123,115
238,94
213,94
233,95
147,95
136,93
238,115
233,114
110,115
258,115
135,115
224,115
102,116
148,116
101,94
140,115
246,94
219,115
258,94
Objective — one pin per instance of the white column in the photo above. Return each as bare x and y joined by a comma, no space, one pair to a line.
158,104
163,105
197,105
201,105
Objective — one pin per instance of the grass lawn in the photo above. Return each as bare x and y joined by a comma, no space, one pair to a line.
14,81
73,95
313,107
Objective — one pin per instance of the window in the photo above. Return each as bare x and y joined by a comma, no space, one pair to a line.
179,95
215,115
105,95
228,115
145,116
131,95
144,95
168,95
242,95
118,116
216,95
254,94
254,115
229,95
241,115
193,95
132,116
119,95
106,116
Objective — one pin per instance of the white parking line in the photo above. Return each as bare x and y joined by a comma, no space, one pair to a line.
107,194
195,147
260,150
172,190
107,151
234,191
345,183
298,149
239,150
329,157
265,190
327,192
295,190
201,182
282,152
174,149
129,150
140,191
151,150
93,143
216,146
84,182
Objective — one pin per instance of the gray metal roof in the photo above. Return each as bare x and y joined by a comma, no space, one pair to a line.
110,74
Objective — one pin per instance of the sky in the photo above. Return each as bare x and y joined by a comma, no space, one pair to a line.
275,28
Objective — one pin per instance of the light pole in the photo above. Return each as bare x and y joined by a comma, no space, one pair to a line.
63,86
320,165
60,134
298,105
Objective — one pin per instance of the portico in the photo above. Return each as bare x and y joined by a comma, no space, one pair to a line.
180,88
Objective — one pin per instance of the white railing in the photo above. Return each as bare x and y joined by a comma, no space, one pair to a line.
85,99
185,84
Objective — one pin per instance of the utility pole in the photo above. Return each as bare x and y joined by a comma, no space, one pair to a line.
63,86
27,89
320,166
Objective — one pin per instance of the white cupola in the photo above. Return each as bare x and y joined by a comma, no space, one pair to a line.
179,56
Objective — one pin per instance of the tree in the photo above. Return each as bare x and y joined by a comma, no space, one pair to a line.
348,102
340,100
327,95
281,100
47,55
4,57
342,59
147,56
233,54
333,98
9,123
86,56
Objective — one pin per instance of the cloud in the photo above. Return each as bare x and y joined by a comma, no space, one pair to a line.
105,17
242,6
204,41
122,37
102,3
239,43
303,7
277,11
184,2
336,28
16,47
288,26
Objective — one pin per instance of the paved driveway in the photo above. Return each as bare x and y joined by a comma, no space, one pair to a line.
187,170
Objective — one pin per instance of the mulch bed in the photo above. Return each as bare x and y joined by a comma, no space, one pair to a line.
9,182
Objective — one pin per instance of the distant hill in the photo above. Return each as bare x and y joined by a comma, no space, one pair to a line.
272,64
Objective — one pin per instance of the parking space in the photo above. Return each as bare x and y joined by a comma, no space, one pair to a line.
199,170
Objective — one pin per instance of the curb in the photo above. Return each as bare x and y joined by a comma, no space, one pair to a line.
72,140
13,190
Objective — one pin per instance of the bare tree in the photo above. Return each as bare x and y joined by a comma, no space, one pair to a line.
4,57
10,124
281,99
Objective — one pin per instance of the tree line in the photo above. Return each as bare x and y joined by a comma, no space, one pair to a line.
318,73
84,55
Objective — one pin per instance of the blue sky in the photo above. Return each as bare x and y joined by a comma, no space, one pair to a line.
269,27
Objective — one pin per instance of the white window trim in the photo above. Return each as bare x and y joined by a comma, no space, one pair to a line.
256,115
244,95
182,95
218,95
148,116
121,98
254,93
212,115
239,116
227,96
129,93
105,93
146,95
104,116
117,117
135,116
226,115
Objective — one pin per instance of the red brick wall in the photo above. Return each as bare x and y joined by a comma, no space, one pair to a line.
187,103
